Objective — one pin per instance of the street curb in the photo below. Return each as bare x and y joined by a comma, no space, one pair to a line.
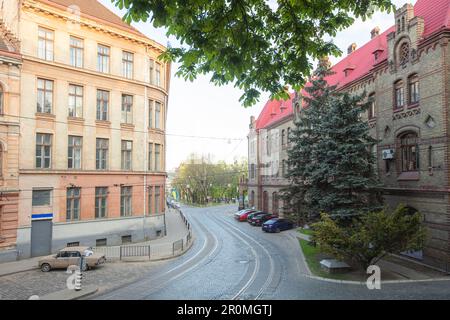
68,294
312,276
18,271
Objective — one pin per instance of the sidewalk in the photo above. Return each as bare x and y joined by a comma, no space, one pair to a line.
176,230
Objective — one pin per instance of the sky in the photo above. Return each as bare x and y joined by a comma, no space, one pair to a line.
199,109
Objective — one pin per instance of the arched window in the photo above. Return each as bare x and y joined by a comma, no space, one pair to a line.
409,152
399,94
274,203
403,23
413,89
403,54
265,201
252,199
288,135
283,137
371,111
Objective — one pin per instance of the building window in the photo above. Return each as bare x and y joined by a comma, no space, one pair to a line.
103,58
157,199
75,101
403,54
152,71
371,111
73,203
150,113
102,105
43,150
158,74
288,141
283,137
45,44
127,64
150,156
127,109
101,242
150,200
74,152
413,86
76,52
252,199
157,115
101,157
252,171
409,152
101,202
399,94
41,197
126,239
125,201
430,157
127,151
158,157
44,96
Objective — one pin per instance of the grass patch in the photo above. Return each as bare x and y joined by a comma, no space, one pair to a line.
308,232
313,256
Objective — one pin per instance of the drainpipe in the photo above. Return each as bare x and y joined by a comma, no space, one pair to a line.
146,108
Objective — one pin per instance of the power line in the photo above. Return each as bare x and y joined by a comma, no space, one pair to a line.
120,129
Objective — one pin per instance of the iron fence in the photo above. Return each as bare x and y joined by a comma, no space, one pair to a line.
135,251
151,251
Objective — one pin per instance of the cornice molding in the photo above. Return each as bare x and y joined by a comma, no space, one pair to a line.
84,21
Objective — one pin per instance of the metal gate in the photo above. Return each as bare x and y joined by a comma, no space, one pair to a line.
41,237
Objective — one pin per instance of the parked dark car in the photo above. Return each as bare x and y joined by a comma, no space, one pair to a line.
277,225
251,215
259,219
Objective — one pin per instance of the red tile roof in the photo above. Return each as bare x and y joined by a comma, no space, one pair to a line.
436,16
273,111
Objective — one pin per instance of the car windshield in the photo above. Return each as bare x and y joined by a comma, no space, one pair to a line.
271,221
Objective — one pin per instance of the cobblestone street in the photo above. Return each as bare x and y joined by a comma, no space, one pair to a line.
111,275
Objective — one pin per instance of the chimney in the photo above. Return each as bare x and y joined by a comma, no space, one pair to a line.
252,122
351,48
375,32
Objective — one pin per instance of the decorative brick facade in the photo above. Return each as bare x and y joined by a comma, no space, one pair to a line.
406,70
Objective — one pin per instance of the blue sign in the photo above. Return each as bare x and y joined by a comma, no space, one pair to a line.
42,216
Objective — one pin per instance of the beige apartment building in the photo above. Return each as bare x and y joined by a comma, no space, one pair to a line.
92,121
405,69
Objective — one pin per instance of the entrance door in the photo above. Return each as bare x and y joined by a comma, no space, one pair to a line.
41,237
265,202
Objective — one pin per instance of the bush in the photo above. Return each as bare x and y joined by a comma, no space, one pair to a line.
370,236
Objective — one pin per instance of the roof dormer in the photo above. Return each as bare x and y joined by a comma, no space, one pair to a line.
348,69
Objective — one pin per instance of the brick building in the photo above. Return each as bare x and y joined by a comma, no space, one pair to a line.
92,115
406,70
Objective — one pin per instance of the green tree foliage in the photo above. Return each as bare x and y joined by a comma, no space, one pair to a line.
371,236
200,181
255,44
331,166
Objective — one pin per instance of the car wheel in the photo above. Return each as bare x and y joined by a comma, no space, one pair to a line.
45,267
277,230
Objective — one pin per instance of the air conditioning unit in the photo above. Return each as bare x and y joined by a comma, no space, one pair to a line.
388,154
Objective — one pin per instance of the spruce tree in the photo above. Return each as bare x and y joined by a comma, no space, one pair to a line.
331,167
